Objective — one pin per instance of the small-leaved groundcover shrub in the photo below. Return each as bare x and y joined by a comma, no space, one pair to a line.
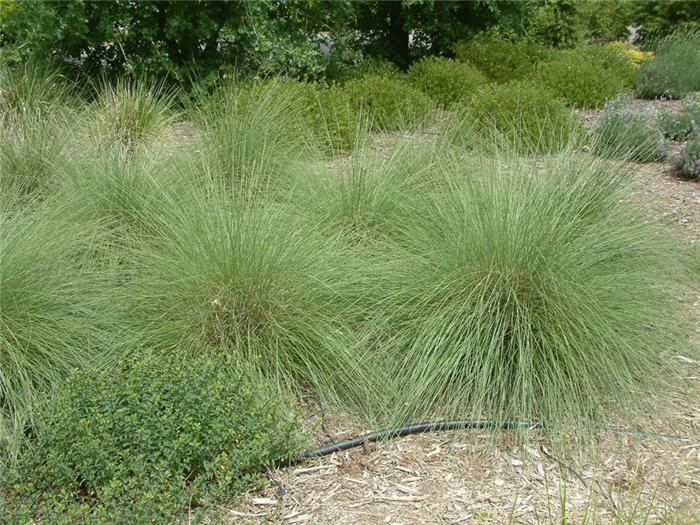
390,103
675,69
527,291
447,81
160,435
684,123
499,60
628,134
587,77
520,116
688,162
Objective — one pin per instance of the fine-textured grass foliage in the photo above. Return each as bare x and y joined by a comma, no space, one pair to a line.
31,150
526,293
675,69
390,103
684,123
233,275
157,437
56,312
499,60
519,116
31,89
129,115
253,131
445,80
625,133
582,78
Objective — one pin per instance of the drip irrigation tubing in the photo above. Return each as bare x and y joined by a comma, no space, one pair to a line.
439,426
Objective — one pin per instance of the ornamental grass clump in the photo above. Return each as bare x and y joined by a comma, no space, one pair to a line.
254,131
56,306
227,273
31,150
129,115
445,80
31,90
675,69
159,436
624,133
527,292
518,116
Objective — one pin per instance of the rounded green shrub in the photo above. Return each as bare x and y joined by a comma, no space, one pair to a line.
390,103
499,60
675,69
688,162
160,435
520,116
528,291
583,80
627,134
684,123
447,81
371,66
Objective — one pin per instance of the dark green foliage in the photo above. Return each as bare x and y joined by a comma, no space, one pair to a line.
675,69
659,17
158,435
445,80
390,103
688,162
606,20
627,134
520,116
165,39
684,123
586,77
555,23
499,60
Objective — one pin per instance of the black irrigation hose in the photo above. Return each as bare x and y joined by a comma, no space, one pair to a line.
437,426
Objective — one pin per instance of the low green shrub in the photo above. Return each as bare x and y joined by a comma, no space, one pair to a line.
57,306
499,60
390,103
445,80
586,77
520,116
688,162
684,123
373,66
627,134
160,435
675,69
527,290
128,115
